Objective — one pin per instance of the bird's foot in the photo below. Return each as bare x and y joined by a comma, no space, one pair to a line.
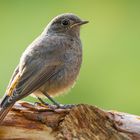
66,106
41,104
56,105
46,105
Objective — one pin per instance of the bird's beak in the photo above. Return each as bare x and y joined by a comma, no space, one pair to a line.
83,22
79,23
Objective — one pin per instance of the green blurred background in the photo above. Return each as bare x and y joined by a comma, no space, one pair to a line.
110,74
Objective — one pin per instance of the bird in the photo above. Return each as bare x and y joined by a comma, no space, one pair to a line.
49,66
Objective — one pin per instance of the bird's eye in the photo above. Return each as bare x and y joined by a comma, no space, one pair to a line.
65,22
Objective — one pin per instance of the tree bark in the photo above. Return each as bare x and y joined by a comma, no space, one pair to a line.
82,122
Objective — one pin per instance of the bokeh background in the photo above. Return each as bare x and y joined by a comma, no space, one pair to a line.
110,74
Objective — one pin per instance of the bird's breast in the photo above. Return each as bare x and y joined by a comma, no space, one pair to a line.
66,78
70,54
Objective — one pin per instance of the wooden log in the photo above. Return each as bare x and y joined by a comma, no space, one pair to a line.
82,122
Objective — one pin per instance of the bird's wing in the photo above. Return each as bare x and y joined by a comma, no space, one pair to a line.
16,71
34,81
14,74
32,77
11,80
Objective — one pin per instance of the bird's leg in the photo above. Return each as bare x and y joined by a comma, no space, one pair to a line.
52,100
58,104
53,107
44,103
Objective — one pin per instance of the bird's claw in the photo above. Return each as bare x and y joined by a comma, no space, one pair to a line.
65,106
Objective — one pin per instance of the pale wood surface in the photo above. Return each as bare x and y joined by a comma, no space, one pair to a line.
83,122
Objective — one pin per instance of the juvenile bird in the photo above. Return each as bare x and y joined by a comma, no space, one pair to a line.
50,64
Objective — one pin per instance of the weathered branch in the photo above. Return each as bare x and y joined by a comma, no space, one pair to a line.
83,122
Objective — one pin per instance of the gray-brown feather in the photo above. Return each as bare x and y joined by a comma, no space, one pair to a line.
50,64
62,51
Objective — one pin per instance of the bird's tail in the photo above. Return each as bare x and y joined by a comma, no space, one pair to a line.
4,108
4,112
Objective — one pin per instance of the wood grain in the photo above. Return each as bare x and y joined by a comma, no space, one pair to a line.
82,122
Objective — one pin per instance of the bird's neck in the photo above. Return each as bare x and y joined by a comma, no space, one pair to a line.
72,34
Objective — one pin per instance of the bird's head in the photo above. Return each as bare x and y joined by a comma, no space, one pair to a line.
65,24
